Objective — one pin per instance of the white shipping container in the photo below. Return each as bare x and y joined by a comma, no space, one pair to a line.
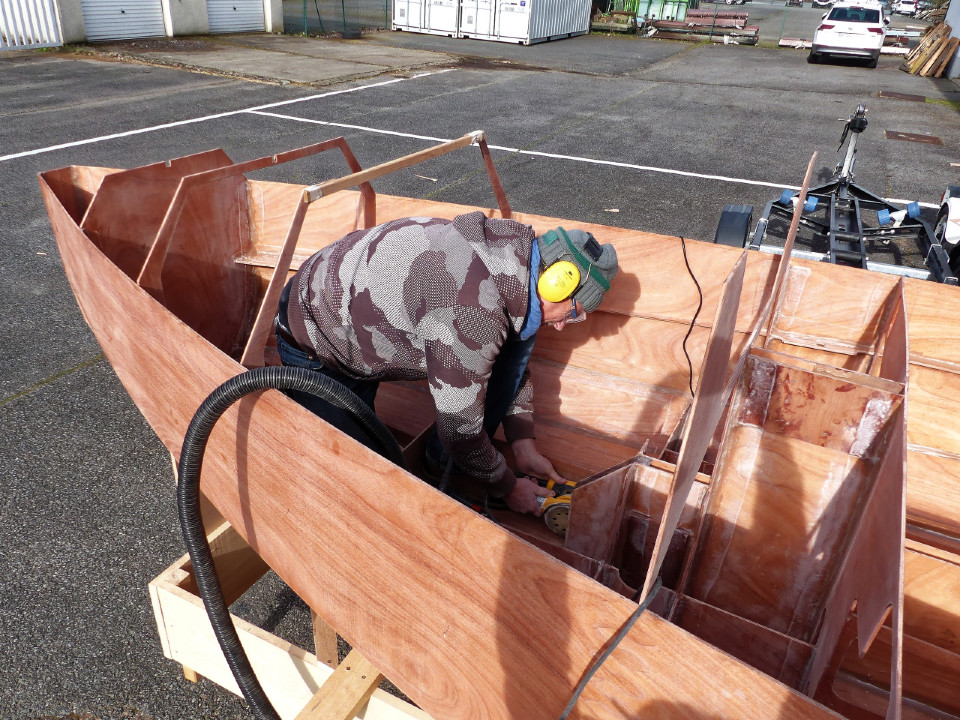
408,15
533,21
477,19
442,17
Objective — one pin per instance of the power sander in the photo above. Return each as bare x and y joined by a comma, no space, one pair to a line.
556,509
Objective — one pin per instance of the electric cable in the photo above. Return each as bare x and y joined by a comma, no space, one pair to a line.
188,497
610,648
683,244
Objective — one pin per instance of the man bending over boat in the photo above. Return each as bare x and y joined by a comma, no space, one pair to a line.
457,303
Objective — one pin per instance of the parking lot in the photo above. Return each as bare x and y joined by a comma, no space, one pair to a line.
641,133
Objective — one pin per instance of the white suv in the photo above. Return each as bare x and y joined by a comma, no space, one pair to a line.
906,7
851,29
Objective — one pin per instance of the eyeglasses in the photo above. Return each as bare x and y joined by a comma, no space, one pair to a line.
572,315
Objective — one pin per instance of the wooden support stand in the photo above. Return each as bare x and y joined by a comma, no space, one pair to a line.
301,685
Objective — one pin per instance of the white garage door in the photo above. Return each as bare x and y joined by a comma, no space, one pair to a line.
122,19
228,16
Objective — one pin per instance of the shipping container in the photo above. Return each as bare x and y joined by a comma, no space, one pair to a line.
478,19
532,21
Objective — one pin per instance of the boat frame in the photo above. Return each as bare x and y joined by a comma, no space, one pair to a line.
136,245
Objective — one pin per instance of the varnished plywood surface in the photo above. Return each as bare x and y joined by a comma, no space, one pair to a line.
772,542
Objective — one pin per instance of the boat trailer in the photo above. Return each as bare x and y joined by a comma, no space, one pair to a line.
847,217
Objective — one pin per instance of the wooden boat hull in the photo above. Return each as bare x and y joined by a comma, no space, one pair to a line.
474,620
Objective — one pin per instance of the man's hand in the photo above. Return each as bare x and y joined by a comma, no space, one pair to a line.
531,462
523,497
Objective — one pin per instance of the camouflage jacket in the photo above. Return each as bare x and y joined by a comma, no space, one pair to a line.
426,298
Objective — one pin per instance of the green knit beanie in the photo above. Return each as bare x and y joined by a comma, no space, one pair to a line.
597,263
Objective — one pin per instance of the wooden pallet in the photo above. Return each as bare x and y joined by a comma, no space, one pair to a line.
300,686
933,53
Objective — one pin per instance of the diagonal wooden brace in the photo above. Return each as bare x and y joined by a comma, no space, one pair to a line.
345,692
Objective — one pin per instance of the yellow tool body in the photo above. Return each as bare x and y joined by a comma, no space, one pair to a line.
556,510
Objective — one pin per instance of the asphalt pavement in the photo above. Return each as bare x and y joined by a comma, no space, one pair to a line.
643,133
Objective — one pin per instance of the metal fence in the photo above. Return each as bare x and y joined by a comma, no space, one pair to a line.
26,24
347,17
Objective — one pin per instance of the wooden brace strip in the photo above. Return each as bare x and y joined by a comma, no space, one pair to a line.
315,192
345,692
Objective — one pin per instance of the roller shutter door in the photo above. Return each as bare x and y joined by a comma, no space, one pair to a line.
227,16
122,19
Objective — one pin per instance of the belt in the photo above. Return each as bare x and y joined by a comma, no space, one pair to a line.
285,333
280,322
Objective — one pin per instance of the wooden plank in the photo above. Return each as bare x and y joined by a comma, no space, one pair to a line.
289,675
946,57
596,506
346,692
931,339
708,406
325,645
622,410
330,187
933,57
930,592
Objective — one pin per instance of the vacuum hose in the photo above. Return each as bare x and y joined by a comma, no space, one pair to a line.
188,496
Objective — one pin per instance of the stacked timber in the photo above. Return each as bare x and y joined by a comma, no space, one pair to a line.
933,53
615,21
721,27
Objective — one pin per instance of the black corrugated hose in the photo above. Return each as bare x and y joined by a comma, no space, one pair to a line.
188,496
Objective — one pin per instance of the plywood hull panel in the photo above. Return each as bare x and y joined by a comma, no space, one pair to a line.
450,606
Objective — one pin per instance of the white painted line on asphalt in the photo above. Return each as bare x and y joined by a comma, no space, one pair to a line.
205,118
575,158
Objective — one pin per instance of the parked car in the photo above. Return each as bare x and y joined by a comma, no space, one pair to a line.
906,7
851,29
823,3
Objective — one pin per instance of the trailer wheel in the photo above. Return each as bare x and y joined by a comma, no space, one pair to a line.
734,225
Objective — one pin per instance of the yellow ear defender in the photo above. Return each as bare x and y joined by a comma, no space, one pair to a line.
558,281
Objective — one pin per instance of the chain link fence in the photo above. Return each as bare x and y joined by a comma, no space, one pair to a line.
346,17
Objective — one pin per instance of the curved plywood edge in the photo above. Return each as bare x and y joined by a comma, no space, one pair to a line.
75,186
406,573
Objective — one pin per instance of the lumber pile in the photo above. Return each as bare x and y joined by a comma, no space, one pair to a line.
615,21
933,53
729,28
